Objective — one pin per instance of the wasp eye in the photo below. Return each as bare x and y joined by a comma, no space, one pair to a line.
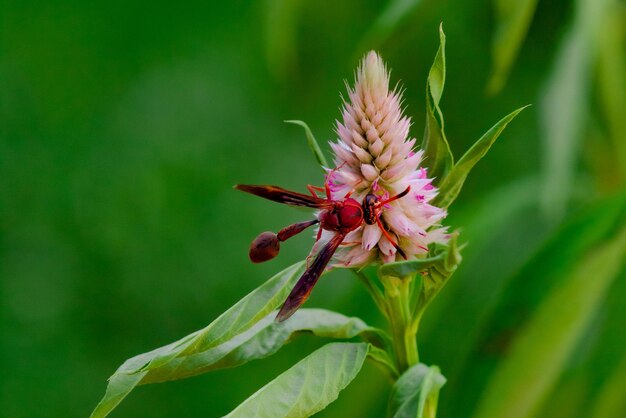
264,247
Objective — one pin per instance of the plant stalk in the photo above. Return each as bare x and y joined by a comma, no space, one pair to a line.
403,331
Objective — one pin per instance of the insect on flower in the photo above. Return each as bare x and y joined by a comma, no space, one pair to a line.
338,216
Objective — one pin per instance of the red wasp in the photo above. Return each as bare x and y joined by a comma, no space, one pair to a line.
339,216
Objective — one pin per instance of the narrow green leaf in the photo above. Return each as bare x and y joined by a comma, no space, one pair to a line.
489,217
594,381
537,357
513,18
437,73
237,320
563,110
612,86
382,358
508,306
439,274
565,104
445,259
438,157
410,267
453,254
451,186
611,402
309,386
313,145
415,393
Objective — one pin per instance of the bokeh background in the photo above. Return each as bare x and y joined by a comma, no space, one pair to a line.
124,125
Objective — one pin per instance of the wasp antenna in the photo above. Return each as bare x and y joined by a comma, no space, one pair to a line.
396,197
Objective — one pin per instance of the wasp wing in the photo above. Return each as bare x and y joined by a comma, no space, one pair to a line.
303,287
280,195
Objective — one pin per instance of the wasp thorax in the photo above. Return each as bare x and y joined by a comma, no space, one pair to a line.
264,247
344,218
351,216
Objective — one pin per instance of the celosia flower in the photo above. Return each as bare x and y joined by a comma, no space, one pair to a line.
374,154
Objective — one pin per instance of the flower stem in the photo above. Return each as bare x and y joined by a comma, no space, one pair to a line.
410,341
403,331
430,408
373,290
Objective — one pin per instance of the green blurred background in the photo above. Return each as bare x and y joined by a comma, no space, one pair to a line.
124,126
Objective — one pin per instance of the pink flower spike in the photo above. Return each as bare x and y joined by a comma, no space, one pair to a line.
375,155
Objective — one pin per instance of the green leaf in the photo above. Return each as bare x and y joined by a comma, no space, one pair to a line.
237,320
439,158
474,292
565,105
445,259
451,185
513,19
313,145
438,275
563,110
382,358
309,386
415,393
410,267
539,353
509,307
610,402
594,380
612,86
264,339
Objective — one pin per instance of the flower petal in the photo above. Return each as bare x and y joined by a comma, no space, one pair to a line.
371,235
